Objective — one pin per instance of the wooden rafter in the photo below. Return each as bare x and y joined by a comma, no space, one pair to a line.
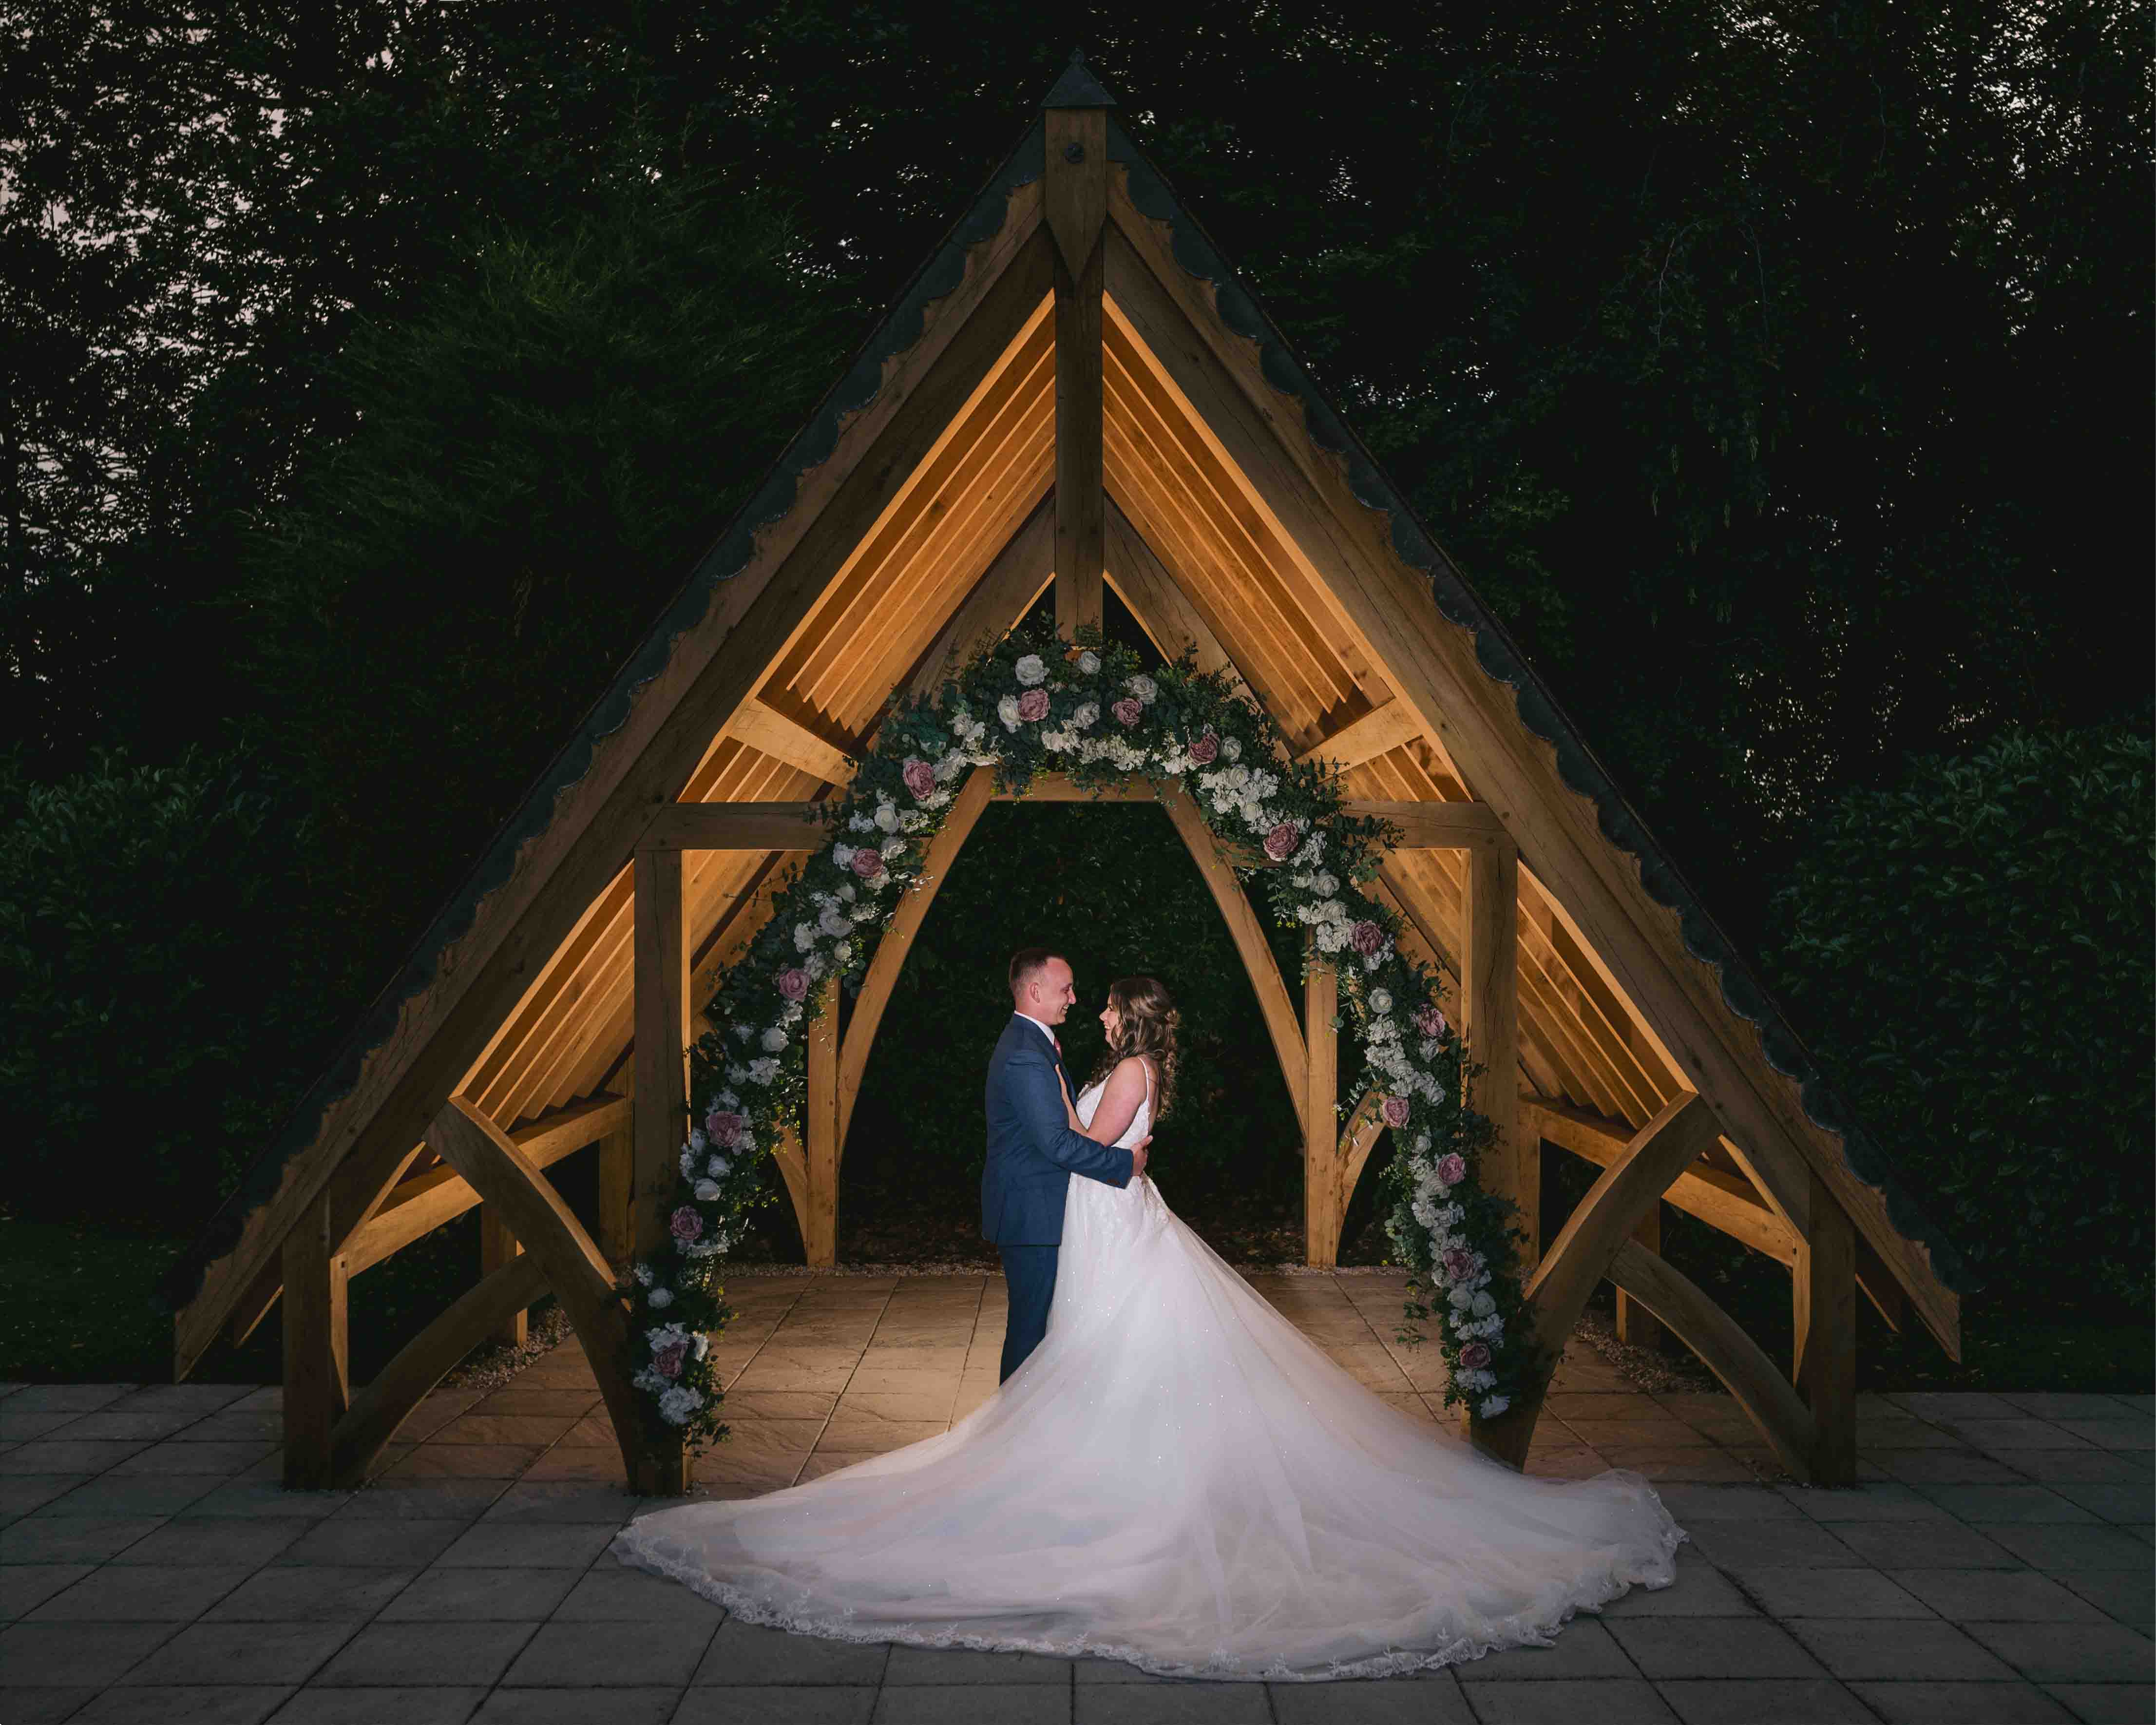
1300,495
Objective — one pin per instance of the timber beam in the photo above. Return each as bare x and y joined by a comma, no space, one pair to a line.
1076,209
735,826
764,728
1579,1257
1378,733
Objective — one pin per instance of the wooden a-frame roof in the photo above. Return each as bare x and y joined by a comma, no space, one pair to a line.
912,517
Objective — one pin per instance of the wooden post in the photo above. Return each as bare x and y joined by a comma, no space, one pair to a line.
1824,1368
1321,1203
1076,203
1489,1011
617,1195
497,1245
660,1122
317,1369
1635,1324
820,1238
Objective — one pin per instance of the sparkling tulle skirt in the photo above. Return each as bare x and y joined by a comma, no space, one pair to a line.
1178,1478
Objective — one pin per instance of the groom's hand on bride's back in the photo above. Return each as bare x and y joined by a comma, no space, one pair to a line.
1138,1156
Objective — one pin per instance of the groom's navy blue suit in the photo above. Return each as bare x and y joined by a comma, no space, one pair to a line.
1032,1155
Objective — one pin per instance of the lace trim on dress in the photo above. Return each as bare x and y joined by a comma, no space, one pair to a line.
1534,1626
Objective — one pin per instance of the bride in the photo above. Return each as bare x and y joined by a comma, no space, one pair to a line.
1176,1477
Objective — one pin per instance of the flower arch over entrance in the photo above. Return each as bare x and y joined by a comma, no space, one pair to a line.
1090,712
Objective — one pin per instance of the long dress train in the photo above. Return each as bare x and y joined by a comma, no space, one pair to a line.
1178,1478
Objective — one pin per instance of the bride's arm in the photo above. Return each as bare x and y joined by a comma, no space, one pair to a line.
1119,1104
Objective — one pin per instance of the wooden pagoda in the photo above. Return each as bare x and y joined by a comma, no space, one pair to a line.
1075,393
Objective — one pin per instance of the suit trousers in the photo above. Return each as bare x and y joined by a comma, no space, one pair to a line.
1029,1274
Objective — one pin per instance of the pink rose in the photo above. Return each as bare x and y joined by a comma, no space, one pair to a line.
669,1360
1459,1265
793,983
1367,936
1033,706
1280,843
1205,749
1395,1111
1429,1019
1452,1168
1475,1355
919,775
725,1129
686,1223
867,863
1128,711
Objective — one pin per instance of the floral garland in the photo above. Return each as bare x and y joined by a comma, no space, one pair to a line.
1091,713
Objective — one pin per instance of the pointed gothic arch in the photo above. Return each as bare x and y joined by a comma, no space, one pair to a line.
1075,391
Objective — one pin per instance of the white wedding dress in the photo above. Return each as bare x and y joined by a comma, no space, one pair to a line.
1178,1478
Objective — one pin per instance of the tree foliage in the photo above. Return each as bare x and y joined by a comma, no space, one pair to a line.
1971,951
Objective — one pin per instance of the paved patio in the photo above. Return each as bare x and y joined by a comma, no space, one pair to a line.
1994,1567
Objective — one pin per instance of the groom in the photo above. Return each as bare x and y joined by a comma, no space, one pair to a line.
1032,1150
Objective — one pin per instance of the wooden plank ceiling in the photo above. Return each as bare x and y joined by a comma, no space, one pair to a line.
1580,1041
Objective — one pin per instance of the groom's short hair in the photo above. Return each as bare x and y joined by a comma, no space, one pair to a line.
1024,963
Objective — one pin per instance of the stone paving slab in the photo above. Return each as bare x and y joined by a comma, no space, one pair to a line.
1994,1566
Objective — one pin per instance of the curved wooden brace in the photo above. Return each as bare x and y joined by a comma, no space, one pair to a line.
1579,1257
890,954
575,1269
1751,1380
377,1410
1356,1140
1248,934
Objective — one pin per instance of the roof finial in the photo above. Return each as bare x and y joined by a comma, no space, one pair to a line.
1078,88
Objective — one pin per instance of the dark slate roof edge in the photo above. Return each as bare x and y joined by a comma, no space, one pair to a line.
1502,660
727,557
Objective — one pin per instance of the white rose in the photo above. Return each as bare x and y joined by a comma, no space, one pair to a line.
833,922
706,1190
1232,747
1484,1306
842,953
1381,1001
1031,672
1088,715
1144,688
886,818
677,1403
1007,710
804,936
1089,663
718,1168
773,1039
662,1298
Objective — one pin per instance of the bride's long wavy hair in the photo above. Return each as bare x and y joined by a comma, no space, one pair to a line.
1146,1025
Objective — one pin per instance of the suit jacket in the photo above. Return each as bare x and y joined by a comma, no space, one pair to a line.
1032,1151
